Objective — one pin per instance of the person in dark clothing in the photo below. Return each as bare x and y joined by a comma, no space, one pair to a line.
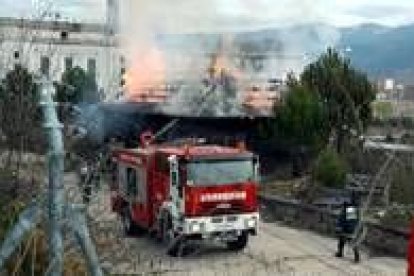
85,181
87,189
346,225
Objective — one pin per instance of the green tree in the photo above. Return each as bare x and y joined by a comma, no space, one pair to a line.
19,109
346,92
330,169
402,189
300,121
77,86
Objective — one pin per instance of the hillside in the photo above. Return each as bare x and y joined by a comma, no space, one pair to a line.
381,51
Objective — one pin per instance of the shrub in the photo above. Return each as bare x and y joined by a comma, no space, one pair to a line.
402,190
330,169
397,218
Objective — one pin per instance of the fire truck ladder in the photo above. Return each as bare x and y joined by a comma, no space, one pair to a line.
207,92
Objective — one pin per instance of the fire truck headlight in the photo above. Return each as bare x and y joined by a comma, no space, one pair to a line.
84,170
251,222
195,227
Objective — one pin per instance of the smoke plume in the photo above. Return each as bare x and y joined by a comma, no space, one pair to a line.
174,41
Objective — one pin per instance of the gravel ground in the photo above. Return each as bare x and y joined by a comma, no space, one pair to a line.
277,250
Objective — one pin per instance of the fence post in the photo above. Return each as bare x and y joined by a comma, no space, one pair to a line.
27,221
55,177
79,226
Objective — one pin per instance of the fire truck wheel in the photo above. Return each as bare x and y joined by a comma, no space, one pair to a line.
176,245
240,243
130,228
166,228
178,248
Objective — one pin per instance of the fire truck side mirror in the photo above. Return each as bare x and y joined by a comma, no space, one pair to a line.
256,167
173,169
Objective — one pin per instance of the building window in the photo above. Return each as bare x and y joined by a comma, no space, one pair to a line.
122,80
91,67
45,65
64,35
68,63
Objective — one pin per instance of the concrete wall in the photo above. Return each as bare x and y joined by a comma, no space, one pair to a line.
379,239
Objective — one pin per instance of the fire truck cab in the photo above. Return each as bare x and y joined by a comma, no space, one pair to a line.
187,192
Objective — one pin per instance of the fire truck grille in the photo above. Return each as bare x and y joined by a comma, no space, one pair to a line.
232,218
222,219
235,208
217,220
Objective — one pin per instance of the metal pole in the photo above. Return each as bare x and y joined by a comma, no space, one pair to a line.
26,222
80,228
55,165
360,231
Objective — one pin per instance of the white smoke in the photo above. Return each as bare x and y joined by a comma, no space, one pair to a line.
189,16
216,97
191,31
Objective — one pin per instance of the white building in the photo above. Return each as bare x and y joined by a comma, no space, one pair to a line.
51,46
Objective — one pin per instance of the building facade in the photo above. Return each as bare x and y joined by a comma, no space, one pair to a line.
49,47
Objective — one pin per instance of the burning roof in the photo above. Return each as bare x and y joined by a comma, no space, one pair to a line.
229,91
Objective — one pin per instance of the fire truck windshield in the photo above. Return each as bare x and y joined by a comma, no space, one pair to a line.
217,172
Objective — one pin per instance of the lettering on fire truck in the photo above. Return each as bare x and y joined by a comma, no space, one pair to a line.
223,196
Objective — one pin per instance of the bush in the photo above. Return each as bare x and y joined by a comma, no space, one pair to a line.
397,218
330,169
402,190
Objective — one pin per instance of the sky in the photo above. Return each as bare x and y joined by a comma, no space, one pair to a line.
205,15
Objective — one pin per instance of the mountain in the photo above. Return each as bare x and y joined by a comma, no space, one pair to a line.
381,51
361,33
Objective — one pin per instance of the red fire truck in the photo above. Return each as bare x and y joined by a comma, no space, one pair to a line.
187,192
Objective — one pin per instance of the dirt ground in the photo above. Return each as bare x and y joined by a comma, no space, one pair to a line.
276,250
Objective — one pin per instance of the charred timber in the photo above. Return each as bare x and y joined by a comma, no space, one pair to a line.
125,121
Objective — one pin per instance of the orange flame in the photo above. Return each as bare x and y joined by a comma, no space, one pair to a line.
220,65
146,76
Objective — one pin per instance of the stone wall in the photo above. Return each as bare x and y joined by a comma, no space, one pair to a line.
379,239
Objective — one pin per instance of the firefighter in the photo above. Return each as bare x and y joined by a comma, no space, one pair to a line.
86,179
83,172
346,225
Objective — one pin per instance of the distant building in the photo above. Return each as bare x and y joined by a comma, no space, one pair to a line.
50,47
394,100
408,93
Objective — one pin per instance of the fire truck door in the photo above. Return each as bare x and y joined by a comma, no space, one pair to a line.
141,186
136,192
141,195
